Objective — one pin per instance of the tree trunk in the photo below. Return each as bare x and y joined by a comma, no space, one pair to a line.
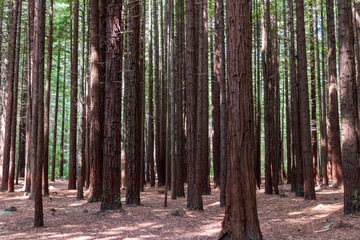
179,78
349,114
47,101
133,114
194,200
203,70
240,221
53,162
324,138
215,95
313,93
22,125
304,114
95,138
297,172
15,103
150,135
37,128
73,99
112,125
8,98
61,174
334,129
81,168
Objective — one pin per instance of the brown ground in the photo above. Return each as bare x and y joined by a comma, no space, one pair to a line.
281,217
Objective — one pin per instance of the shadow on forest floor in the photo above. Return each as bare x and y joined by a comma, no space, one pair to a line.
281,217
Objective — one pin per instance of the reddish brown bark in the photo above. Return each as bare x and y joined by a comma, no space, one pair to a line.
112,124
95,137
53,162
304,114
349,114
334,129
194,200
73,99
133,114
240,221
47,101
8,98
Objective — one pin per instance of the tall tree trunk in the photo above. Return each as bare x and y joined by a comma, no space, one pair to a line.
304,114
204,72
150,135
297,172
174,182
349,113
223,108
194,200
47,100
8,98
179,78
37,128
133,114
81,167
15,103
112,123
334,129
287,100
240,221
215,95
269,104
95,137
22,124
324,138
157,97
73,99
53,162
313,92
61,174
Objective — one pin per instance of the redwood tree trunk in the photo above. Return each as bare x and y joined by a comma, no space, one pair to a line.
53,162
112,125
241,220
304,114
47,101
194,200
8,98
95,138
133,114
334,129
73,99
349,114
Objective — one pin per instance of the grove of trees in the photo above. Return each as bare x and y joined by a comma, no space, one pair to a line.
183,95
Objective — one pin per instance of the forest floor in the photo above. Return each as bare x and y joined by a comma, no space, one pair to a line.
281,217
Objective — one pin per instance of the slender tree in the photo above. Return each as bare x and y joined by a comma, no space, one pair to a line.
73,99
194,198
15,103
53,162
133,116
47,100
334,129
304,114
95,137
9,89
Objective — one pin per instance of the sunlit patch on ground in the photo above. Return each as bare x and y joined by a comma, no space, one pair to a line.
286,217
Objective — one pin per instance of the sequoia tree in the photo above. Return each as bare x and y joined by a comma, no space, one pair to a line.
348,105
241,220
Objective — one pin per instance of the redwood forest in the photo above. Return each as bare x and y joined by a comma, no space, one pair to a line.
179,119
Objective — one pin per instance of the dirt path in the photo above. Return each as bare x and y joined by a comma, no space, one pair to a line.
281,217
